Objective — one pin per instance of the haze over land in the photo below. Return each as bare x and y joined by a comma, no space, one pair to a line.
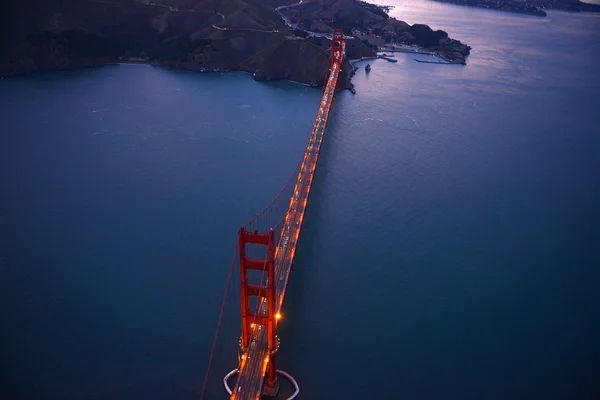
534,7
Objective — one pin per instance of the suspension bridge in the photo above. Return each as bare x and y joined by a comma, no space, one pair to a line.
265,254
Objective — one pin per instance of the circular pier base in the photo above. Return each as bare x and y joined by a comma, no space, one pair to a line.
279,372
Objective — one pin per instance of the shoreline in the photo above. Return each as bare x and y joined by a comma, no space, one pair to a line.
516,8
69,49
134,61
158,65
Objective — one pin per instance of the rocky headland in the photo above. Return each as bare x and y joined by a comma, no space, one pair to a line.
272,39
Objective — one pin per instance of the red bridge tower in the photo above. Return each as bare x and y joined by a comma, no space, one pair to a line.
337,51
264,314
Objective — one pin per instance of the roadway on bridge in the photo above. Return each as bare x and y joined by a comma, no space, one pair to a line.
255,361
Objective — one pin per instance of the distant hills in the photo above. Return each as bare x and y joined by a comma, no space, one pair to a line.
533,7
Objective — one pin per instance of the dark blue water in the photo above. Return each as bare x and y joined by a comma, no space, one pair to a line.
450,248
122,192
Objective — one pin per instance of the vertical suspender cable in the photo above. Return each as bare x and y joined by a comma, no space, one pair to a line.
212,352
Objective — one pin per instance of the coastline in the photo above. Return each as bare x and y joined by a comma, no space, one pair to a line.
159,65
287,50
504,6
348,83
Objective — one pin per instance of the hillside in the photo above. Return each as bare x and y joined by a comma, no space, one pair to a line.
197,35
374,24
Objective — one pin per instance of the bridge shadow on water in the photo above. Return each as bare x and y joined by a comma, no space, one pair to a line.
298,321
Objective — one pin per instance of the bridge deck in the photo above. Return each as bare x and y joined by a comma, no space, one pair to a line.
254,363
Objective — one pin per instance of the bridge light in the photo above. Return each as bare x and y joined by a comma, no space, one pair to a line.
252,325
278,316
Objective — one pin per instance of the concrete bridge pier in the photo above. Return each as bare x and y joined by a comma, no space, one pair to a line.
271,390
